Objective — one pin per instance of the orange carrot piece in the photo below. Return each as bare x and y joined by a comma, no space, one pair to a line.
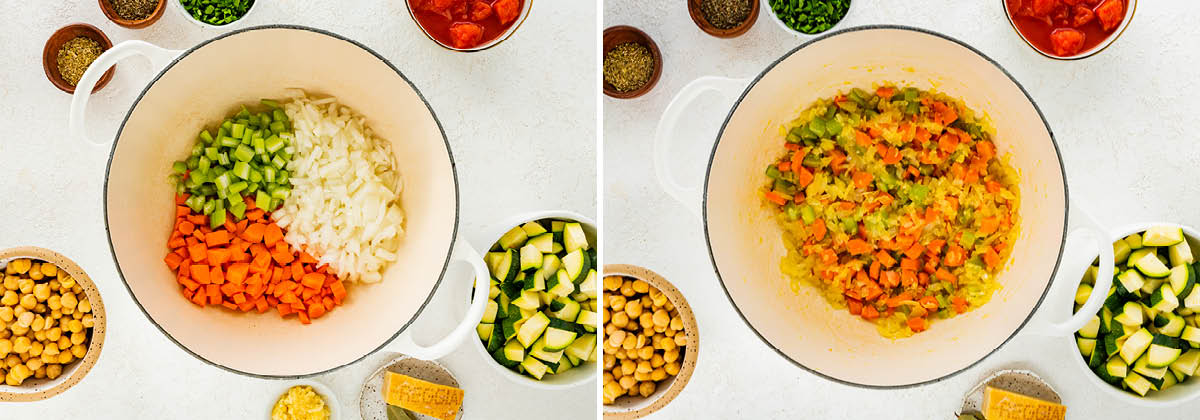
869,312
313,280
803,176
858,246
198,252
272,235
991,258
284,257
254,233
929,303
200,273
304,319
218,255
186,227
777,198
230,289
217,238
917,324
885,258
173,261
946,276
315,311
216,275
818,229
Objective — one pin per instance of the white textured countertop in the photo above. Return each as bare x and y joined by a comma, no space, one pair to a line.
521,122
1124,121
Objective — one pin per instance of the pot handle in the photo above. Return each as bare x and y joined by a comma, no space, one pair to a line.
665,136
159,58
1070,274
463,252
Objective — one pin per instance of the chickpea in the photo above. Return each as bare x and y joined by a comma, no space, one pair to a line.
633,309
629,342
21,266
609,328
88,321
12,360
18,329
50,350
6,314
41,292
10,282
641,286
84,306
78,351
64,342
67,282
38,323
34,364
616,338
646,352
676,323
627,289
53,370
25,319
681,340
21,345
40,335
672,368
655,362
65,357
617,302
36,274
53,334
74,325
40,373
646,320
6,347
608,377
671,355
612,283
610,360
627,382
661,318
35,349
646,389
641,376
78,338
69,301
49,270
54,302
10,298
658,374
620,319
612,390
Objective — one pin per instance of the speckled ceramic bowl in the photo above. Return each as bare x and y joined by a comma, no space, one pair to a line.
370,399
629,408
40,389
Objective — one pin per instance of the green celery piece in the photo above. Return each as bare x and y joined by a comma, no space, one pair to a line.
278,162
278,127
222,182
223,159
268,174
241,170
237,130
209,206
263,200
273,144
238,186
260,147
279,115
243,153
210,153
206,137
255,176
270,103
179,167
216,219
227,141
280,193
238,209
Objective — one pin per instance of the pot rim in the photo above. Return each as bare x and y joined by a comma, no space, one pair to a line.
830,34
445,140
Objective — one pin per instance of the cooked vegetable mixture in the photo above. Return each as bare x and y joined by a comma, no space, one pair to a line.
1146,337
895,204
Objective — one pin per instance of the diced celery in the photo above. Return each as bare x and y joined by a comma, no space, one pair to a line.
179,167
223,159
205,136
259,145
268,174
210,153
278,163
222,181
237,130
273,144
263,200
269,102
237,187
241,170
243,153
226,141
278,127
216,219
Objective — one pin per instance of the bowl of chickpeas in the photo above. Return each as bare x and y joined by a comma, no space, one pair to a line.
650,342
51,324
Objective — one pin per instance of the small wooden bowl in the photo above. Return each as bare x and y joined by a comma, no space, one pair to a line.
107,7
56,41
708,28
40,389
630,408
617,35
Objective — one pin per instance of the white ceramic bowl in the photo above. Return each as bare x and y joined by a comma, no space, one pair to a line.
1176,395
580,374
1130,8
770,15
335,408
178,6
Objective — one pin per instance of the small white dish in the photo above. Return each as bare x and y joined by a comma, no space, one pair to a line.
178,6
371,404
335,408
766,9
571,378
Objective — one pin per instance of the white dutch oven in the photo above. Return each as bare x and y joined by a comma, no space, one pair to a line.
746,244
204,84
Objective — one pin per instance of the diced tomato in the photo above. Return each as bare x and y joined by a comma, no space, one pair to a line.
1044,7
480,10
1110,13
1082,16
465,34
1067,41
507,10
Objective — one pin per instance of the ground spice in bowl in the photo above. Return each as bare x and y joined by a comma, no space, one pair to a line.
133,9
628,66
725,14
75,56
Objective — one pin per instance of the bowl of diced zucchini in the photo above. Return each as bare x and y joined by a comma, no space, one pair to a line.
540,323
1144,344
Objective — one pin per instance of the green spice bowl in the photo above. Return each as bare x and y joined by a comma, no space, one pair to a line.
178,6
766,6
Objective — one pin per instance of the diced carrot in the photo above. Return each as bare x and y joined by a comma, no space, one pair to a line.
874,270
934,247
862,179
304,319
313,280
339,290
237,273
257,249
198,252
863,139
283,258
777,198
988,225
182,211
946,276
885,258
914,251
198,219
818,229
899,299
858,246
218,255
874,132
284,310
230,225
305,258
929,303
855,306
885,92
959,304
288,297
186,227
272,235
200,273
803,176
214,293
199,298
991,258
254,233
869,312
917,324
889,278
261,305
216,275
785,166
908,278
947,142
230,289
985,149
315,311
173,261
217,238
955,256
189,284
